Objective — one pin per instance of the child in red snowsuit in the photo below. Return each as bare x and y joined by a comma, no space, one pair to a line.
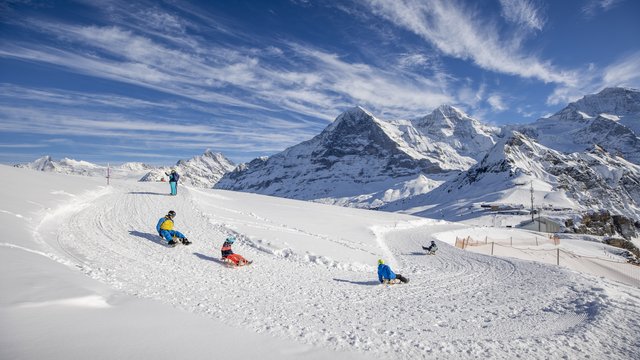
228,254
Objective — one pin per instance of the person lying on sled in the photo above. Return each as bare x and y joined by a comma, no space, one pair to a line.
229,255
387,276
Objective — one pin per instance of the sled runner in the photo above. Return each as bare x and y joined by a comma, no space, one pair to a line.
229,262
175,241
429,252
395,281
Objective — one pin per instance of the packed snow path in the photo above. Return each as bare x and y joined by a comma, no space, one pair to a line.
458,304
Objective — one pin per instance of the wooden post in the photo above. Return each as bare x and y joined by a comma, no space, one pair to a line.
536,241
485,240
558,256
492,247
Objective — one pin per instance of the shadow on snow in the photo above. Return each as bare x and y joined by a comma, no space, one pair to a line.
151,237
147,193
209,258
369,283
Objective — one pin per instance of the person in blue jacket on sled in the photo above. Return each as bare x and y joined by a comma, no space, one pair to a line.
165,230
387,276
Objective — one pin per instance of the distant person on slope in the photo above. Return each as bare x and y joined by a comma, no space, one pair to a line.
229,255
165,230
173,181
387,276
431,249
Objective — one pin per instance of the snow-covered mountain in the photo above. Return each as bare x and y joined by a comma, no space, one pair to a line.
200,171
447,125
580,181
610,119
360,160
79,167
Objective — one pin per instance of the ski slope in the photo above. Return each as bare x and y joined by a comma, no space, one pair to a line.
311,292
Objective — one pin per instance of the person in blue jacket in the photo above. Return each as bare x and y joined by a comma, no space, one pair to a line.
386,275
165,230
173,181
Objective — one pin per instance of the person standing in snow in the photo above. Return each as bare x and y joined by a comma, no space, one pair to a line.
387,276
431,249
165,230
229,255
173,181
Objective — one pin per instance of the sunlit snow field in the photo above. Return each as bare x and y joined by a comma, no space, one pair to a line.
84,275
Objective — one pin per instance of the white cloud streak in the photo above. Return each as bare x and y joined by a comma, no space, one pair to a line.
497,103
461,34
523,12
207,72
593,7
623,72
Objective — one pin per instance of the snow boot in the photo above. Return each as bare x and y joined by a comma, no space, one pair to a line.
402,278
172,243
185,241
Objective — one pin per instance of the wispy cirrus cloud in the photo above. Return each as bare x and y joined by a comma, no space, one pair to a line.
142,133
625,71
525,13
250,77
593,7
497,103
458,32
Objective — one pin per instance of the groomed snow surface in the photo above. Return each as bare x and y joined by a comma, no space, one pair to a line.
84,275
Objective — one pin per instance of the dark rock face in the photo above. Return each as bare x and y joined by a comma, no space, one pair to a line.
602,223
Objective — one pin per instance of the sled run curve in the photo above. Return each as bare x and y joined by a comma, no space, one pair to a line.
457,305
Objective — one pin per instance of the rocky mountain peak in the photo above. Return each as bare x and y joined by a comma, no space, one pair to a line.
615,100
354,117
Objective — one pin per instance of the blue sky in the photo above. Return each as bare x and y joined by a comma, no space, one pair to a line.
152,81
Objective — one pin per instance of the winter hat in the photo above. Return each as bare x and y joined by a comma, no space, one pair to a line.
380,261
230,239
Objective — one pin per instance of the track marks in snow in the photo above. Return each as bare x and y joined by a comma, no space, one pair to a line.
458,304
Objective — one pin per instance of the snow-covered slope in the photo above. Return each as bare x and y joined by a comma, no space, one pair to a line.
580,181
78,167
360,160
311,293
200,171
610,119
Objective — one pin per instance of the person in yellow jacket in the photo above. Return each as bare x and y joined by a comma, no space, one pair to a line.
165,230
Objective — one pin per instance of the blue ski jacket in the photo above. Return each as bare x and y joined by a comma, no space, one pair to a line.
162,226
385,272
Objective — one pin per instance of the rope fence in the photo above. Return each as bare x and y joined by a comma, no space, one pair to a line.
624,271
464,242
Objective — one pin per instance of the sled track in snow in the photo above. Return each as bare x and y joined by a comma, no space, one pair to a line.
455,304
